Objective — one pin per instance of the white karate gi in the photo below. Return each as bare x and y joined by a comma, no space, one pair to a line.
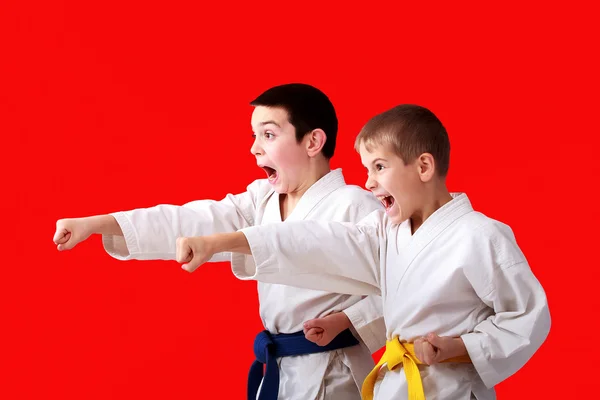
460,274
150,234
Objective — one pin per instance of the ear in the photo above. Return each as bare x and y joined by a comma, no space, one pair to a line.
426,167
314,141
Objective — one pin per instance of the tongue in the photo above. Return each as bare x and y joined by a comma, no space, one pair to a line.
270,171
389,202
272,174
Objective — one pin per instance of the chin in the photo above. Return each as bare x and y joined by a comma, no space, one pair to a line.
397,220
279,188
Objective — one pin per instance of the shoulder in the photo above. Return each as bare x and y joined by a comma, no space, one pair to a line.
490,239
353,196
482,227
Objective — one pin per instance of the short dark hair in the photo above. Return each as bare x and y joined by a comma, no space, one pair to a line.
308,109
410,130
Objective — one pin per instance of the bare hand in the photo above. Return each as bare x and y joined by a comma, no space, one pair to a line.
323,330
70,232
433,349
193,252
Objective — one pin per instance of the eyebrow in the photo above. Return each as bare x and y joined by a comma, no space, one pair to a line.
377,159
270,122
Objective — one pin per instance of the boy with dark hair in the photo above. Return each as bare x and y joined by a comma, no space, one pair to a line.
295,128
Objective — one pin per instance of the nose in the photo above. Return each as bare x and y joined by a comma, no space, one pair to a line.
371,183
256,149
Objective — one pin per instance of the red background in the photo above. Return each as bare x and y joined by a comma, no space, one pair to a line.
124,104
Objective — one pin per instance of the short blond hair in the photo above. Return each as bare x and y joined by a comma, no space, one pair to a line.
409,130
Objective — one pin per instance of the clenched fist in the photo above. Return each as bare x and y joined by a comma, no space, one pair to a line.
433,349
193,252
69,232
323,330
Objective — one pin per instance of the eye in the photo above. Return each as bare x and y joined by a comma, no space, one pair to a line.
254,136
379,167
269,135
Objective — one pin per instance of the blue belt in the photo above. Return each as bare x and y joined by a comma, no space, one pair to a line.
267,348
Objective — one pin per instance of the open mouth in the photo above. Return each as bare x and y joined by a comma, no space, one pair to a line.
387,201
271,173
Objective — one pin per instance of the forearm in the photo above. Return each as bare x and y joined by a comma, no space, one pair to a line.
235,242
458,349
340,320
103,225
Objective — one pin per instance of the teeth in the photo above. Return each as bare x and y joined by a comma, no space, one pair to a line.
386,200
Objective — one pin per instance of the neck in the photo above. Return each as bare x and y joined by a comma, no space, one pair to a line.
315,172
435,197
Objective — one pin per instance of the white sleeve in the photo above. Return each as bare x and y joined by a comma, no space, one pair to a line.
504,342
151,233
367,321
366,315
337,257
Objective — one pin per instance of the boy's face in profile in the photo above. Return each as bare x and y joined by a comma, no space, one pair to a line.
395,184
277,152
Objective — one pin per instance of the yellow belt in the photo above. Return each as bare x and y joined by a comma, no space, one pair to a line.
396,354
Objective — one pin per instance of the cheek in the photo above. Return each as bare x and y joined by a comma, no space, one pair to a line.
287,158
274,153
396,187
400,190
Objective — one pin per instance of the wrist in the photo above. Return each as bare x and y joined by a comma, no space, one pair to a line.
342,319
101,224
212,244
459,348
89,225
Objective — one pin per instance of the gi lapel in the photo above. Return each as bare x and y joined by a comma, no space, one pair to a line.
316,193
431,228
